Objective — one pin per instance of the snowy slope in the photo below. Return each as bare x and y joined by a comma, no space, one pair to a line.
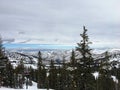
33,87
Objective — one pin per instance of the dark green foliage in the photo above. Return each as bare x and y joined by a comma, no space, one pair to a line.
20,68
19,75
73,61
105,66
85,66
39,60
53,76
41,72
104,81
86,62
5,73
63,77
6,70
44,76
72,71
115,71
9,75
1,48
33,75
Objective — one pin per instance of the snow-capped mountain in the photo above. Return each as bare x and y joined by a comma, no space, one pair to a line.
29,56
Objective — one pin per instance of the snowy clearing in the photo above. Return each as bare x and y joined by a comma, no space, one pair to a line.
33,87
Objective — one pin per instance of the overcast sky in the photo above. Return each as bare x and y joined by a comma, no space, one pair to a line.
60,21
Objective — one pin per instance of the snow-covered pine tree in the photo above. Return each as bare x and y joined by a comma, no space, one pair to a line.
85,66
105,81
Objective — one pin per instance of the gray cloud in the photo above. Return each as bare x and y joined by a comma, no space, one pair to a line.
59,21
8,40
25,41
21,32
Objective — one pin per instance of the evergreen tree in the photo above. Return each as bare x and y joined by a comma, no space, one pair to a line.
44,76
41,72
63,76
105,66
104,81
73,61
72,70
53,76
21,67
1,48
19,74
3,62
85,66
117,74
32,74
9,75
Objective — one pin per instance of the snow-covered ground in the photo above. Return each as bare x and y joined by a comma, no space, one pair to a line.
33,87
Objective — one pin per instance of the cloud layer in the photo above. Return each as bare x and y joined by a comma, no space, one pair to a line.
60,21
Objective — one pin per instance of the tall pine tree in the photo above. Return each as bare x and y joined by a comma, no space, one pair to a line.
9,75
85,66
53,80
3,62
73,70
41,72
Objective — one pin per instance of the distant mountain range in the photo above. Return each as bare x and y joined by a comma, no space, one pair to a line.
29,56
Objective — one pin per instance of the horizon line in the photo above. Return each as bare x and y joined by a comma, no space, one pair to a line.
47,46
